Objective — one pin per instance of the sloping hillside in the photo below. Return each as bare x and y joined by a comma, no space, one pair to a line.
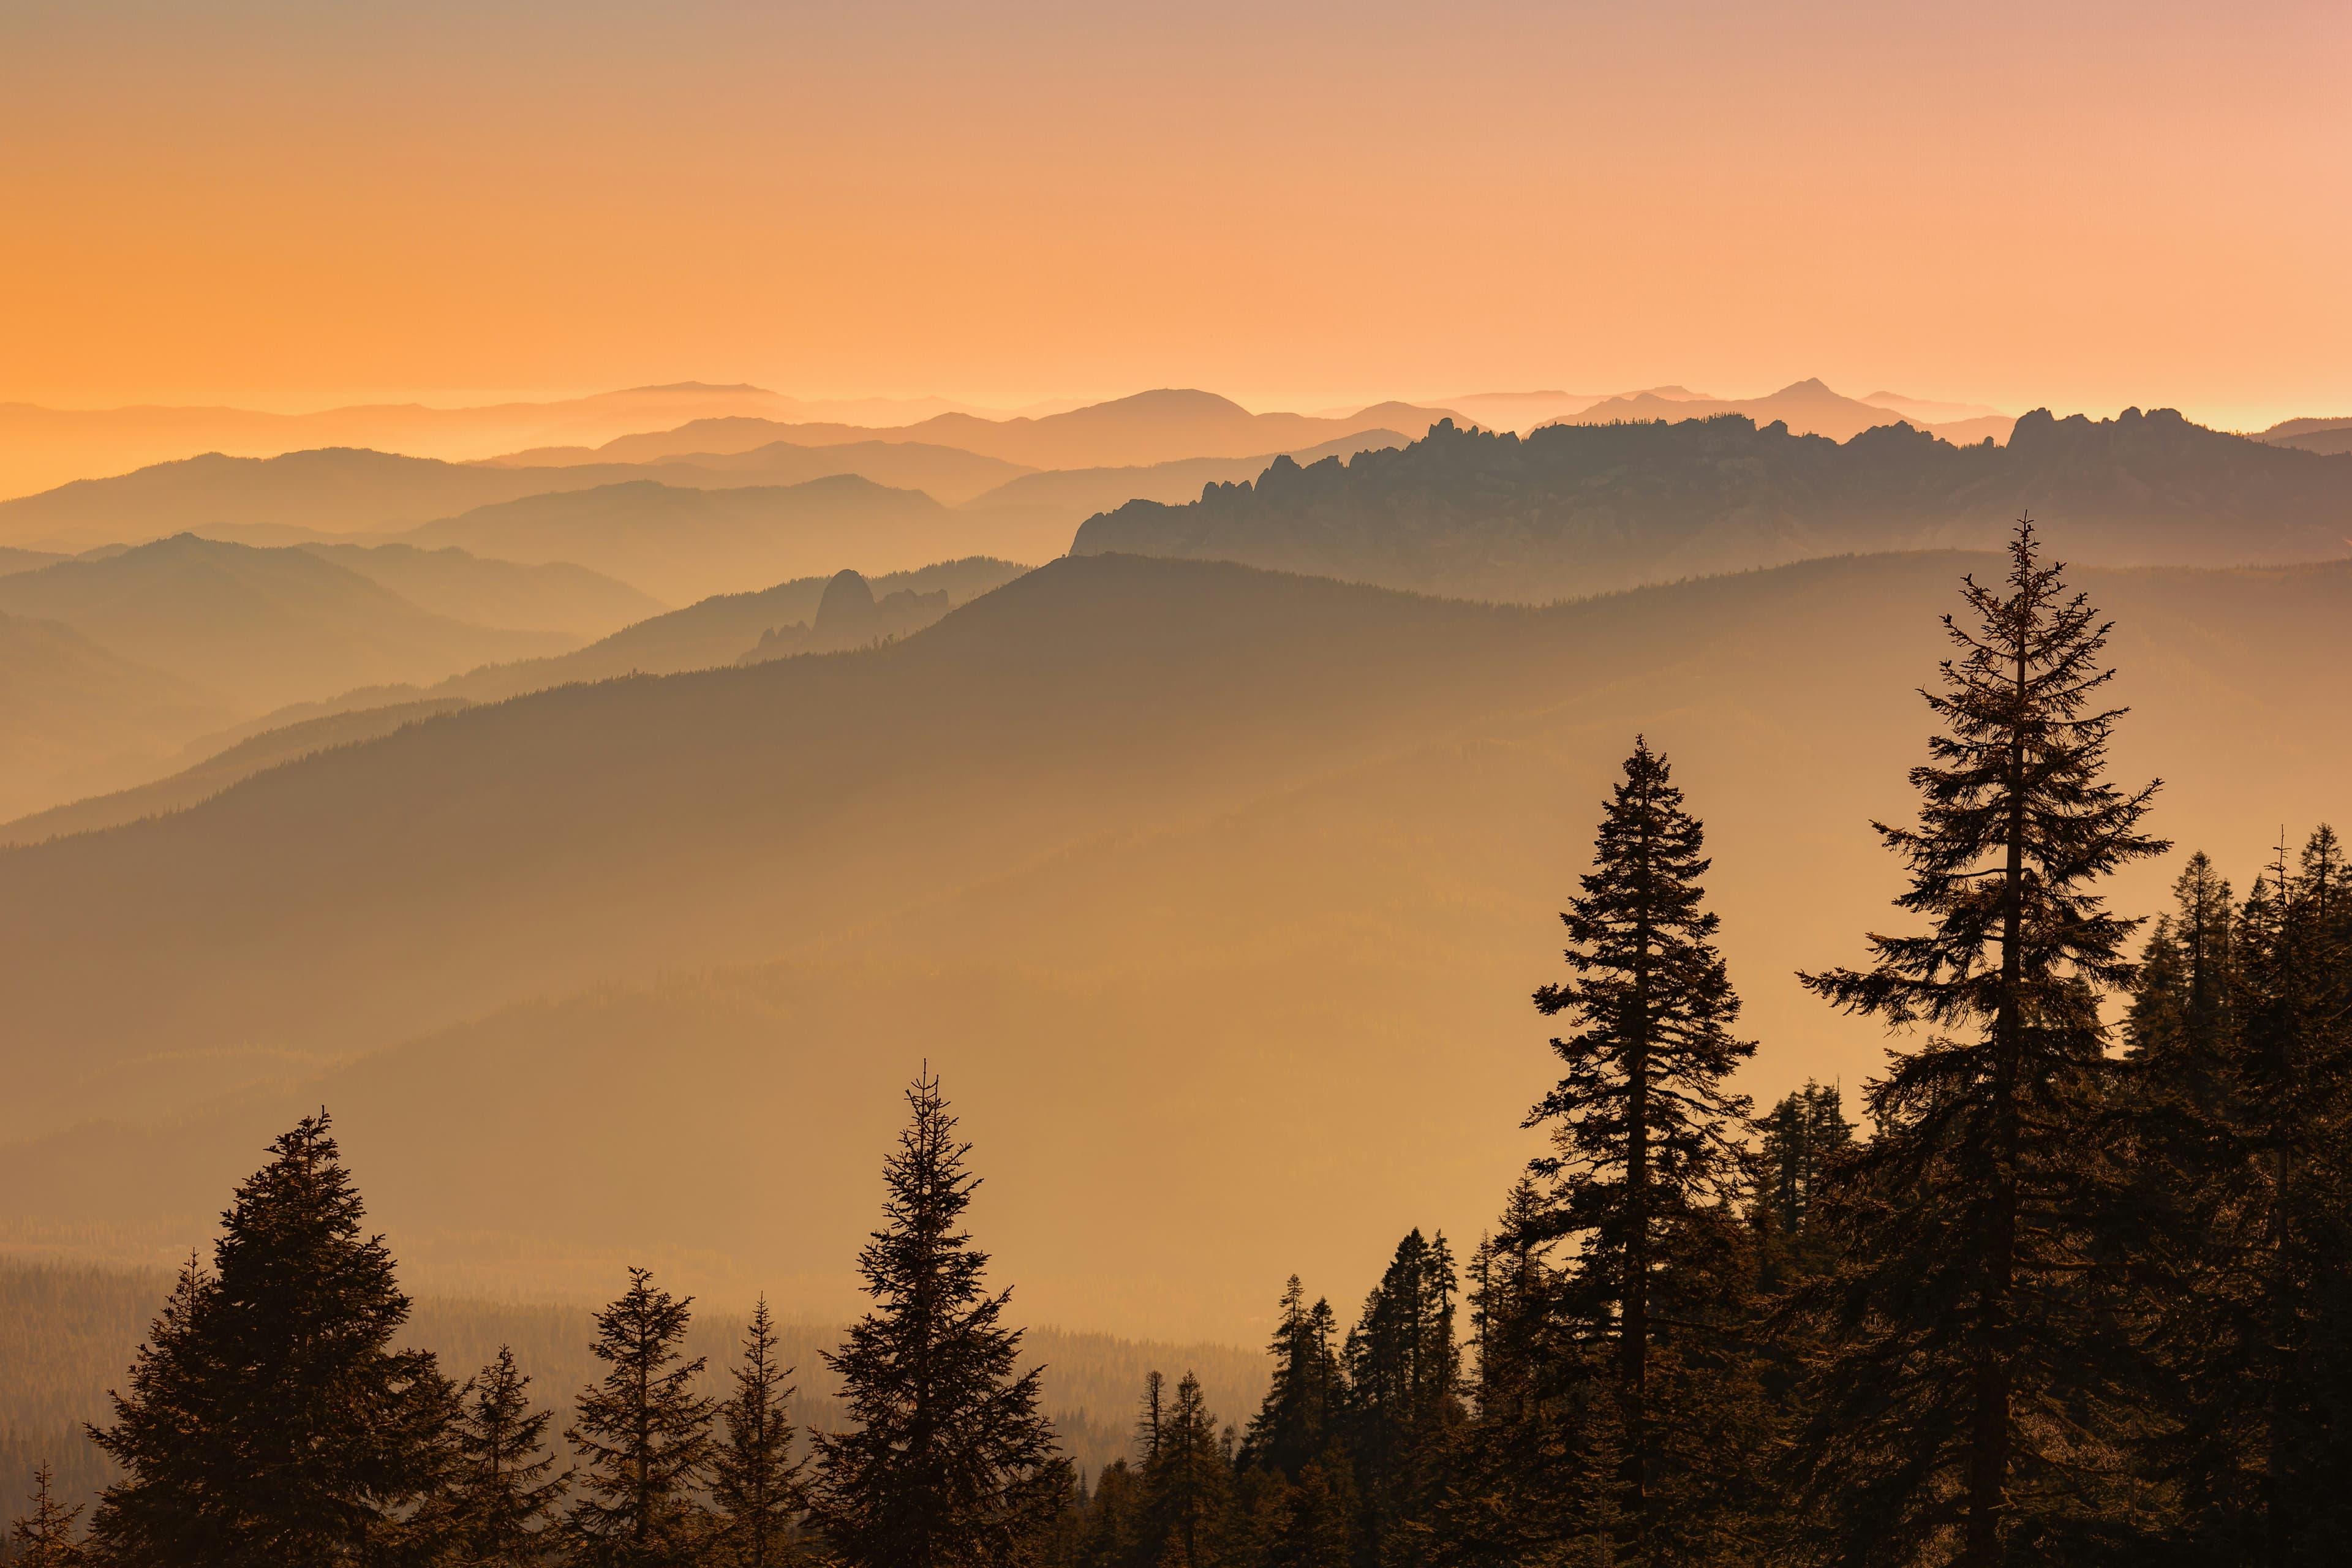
1047,507
1257,870
553,596
1573,510
1149,428
76,717
333,489
687,544
1806,407
264,626
216,773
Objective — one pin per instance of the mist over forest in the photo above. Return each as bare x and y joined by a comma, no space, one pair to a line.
584,848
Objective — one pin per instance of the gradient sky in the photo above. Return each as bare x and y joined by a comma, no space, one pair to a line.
286,205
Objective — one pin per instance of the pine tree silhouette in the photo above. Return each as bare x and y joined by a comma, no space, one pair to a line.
44,1538
501,1505
755,1485
643,1436
269,1421
1971,1401
950,1464
1297,1417
1646,1137
1187,1482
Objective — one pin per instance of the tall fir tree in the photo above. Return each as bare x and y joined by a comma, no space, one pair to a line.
1403,1376
950,1465
1298,1418
45,1537
755,1482
644,1437
269,1419
1187,1480
500,1507
1647,1139
1976,1387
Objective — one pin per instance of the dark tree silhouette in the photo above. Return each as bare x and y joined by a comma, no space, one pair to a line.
500,1507
269,1421
1298,1416
45,1537
1646,1136
950,1464
643,1436
2248,1101
1187,1482
755,1482
1972,1393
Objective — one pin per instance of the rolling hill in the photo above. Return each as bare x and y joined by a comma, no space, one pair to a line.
305,495
1574,509
75,717
1149,427
943,473
217,770
1806,407
263,628
1046,508
553,596
40,447
1251,870
686,544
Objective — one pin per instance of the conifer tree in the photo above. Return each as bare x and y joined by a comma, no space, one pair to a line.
1112,1534
1403,1373
2259,1299
755,1484
1531,1480
643,1436
1296,1421
1316,1527
1801,1134
269,1421
1975,1387
1646,1136
952,1465
500,1509
1187,1480
44,1538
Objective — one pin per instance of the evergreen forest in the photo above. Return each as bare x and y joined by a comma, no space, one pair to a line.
2068,1282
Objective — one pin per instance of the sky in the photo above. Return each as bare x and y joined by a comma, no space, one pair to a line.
1301,206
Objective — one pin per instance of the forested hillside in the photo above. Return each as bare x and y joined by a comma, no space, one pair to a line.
1568,510
1123,832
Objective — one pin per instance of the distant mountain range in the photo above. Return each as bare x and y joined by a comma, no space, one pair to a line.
1806,407
324,493
1573,510
40,447
1035,516
682,546
2330,438
1149,427
76,717
262,627
555,596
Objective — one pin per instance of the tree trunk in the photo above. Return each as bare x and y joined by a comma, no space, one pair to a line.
1988,1440
1636,1310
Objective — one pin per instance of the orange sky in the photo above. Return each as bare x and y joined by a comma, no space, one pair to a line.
297,203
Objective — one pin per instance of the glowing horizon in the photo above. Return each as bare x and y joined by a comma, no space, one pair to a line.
2085,208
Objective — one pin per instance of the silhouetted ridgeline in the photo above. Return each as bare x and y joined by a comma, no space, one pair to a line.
1569,511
